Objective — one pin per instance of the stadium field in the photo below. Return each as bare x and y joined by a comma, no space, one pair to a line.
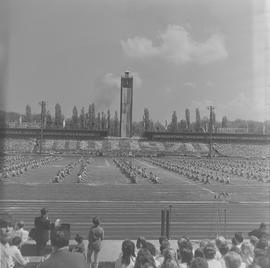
132,210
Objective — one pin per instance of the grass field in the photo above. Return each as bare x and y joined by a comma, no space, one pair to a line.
129,210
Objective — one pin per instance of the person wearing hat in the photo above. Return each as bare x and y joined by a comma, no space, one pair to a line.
42,227
209,253
260,232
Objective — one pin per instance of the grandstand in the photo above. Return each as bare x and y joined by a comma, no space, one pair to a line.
127,145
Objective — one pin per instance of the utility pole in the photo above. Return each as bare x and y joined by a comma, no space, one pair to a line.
211,108
43,112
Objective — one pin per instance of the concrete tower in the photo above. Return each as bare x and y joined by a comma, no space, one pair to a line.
126,105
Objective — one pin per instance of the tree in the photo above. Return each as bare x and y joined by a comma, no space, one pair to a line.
224,122
116,124
173,125
98,121
58,118
82,119
109,121
49,121
75,118
146,119
187,113
28,113
182,124
93,114
103,120
198,120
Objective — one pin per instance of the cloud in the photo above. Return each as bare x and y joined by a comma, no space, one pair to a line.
190,84
108,89
177,46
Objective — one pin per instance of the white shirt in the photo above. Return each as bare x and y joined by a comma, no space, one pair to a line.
214,264
23,234
16,256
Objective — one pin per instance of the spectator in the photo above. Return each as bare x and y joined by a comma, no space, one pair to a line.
141,242
16,257
95,237
5,257
56,226
186,257
199,253
237,240
209,253
199,263
164,245
62,257
42,226
21,232
144,259
80,245
233,260
127,257
247,253
260,232
183,243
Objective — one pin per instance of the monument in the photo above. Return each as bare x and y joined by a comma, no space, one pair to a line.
126,101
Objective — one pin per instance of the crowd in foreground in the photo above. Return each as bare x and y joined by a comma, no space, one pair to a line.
238,252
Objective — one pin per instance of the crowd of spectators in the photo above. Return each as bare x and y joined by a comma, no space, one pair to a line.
252,252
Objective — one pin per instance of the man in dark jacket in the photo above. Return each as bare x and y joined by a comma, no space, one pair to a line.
42,227
61,257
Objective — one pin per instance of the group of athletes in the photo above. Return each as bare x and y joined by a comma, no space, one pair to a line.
190,170
133,172
15,166
81,175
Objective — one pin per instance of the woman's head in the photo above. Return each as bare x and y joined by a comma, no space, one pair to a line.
144,258
96,221
141,242
128,251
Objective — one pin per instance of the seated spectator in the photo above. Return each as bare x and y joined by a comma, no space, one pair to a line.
247,253
144,259
16,257
237,240
199,263
209,253
259,232
186,257
164,245
170,258
62,257
5,258
80,247
183,243
199,253
21,232
253,240
54,228
233,260
127,256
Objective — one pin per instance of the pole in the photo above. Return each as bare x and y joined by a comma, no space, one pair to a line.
225,222
167,224
162,222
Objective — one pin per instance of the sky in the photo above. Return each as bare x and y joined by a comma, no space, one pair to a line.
181,53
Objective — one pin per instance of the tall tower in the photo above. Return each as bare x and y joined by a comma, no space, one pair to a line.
126,105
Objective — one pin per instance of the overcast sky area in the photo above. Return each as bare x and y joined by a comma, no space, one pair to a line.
182,54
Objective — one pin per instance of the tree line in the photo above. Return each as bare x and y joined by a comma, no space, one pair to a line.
92,120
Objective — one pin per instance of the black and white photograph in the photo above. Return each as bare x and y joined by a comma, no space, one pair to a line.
135,133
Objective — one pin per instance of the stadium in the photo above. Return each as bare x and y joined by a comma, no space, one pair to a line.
134,189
